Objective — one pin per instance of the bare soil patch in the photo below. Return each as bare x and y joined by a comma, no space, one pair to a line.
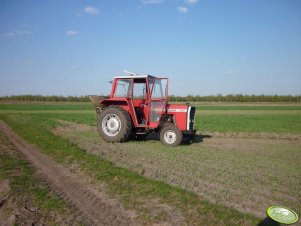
246,103
261,135
93,207
248,172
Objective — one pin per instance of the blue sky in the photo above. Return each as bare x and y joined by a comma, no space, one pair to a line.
205,47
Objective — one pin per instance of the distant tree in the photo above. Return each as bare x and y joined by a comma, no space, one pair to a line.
172,98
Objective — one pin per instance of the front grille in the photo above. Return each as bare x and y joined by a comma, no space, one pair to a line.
192,118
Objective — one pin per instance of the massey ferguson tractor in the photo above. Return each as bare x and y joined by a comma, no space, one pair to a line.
137,105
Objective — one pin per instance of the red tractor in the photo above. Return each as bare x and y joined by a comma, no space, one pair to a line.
137,105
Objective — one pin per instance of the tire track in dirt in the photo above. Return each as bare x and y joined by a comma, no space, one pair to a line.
92,208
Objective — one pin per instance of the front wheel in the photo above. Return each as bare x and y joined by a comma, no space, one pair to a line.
170,135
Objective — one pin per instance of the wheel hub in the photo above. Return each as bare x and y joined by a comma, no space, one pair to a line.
111,124
170,137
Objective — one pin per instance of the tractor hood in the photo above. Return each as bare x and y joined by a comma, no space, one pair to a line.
183,116
181,108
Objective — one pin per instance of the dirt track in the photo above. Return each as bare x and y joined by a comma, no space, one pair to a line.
94,208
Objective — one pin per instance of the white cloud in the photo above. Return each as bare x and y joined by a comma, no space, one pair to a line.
72,33
79,14
91,10
151,1
14,33
73,66
29,62
191,1
182,9
8,34
231,72
23,32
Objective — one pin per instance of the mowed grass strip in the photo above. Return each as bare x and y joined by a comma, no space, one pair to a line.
249,108
33,108
276,123
251,112
25,106
48,111
253,123
133,189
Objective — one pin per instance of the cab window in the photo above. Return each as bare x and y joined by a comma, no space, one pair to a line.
139,89
122,88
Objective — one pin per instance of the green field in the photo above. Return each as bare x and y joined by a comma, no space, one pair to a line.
210,118
245,159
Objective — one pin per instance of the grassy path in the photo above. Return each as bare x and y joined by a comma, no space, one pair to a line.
25,198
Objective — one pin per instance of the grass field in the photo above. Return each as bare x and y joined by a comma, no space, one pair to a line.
245,159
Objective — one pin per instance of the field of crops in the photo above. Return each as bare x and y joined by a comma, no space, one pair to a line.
245,158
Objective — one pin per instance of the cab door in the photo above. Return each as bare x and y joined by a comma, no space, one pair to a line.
158,100
139,98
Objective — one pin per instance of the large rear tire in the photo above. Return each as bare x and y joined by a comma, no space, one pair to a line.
114,124
170,135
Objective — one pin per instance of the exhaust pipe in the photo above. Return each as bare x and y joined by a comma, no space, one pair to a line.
95,100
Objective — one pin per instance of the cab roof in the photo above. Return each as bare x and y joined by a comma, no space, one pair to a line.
133,76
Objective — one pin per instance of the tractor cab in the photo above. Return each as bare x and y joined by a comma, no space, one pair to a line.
144,96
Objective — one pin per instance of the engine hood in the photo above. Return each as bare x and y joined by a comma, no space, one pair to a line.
180,113
177,108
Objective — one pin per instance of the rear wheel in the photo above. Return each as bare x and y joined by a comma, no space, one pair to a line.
114,124
171,135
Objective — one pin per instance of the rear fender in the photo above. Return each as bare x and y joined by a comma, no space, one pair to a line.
109,102
125,104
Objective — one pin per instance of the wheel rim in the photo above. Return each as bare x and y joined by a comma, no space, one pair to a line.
170,136
111,125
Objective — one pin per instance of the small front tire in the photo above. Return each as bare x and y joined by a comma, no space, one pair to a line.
170,135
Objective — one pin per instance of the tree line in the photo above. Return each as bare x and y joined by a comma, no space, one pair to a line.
236,98
52,98
172,98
